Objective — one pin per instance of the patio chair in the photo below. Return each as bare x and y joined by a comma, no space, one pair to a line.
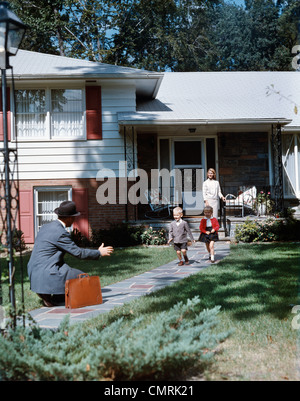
160,206
244,201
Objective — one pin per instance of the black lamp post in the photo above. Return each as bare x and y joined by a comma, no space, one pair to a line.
12,31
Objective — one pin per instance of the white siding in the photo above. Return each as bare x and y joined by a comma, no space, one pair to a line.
80,159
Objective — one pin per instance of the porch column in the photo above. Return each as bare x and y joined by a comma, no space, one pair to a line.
129,156
277,183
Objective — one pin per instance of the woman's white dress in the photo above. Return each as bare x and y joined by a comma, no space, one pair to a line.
211,194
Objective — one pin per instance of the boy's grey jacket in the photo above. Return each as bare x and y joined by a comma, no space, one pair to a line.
180,233
46,268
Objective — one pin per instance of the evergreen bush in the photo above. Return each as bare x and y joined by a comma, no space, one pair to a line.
136,349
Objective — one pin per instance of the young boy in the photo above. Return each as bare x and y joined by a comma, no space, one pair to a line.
179,231
209,228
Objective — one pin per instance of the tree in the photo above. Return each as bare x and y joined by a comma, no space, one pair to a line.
289,29
89,23
248,39
44,19
160,35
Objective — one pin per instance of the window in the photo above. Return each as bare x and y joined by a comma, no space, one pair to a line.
188,153
67,113
31,113
49,114
46,200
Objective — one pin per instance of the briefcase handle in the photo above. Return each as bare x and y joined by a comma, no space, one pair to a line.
82,275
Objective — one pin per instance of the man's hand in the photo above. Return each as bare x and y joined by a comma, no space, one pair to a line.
105,250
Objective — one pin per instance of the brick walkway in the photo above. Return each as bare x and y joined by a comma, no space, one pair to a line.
117,294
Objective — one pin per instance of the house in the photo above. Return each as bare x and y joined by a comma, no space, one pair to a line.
75,122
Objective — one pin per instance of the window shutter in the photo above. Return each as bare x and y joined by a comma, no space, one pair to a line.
80,197
26,215
8,115
93,112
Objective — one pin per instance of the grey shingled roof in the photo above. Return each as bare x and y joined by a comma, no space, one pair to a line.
27,63
32,65
222,96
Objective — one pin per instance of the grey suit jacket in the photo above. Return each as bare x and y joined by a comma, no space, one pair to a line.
46,268
180,233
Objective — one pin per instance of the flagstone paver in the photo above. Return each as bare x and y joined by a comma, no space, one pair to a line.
125,291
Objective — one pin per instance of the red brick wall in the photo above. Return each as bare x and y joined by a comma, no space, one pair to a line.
99,216
243,160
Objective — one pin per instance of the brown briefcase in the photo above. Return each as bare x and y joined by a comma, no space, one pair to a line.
82,291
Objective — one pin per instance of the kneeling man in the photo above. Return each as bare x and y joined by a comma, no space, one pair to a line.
46,268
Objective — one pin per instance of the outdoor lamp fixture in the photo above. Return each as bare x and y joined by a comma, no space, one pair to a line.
12,31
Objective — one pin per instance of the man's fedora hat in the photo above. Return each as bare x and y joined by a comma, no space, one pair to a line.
67,209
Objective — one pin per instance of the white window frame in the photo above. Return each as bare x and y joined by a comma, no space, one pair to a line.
49,134
36,191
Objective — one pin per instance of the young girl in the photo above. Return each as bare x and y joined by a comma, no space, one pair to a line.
209,228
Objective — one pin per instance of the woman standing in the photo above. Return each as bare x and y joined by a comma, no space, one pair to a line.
212,192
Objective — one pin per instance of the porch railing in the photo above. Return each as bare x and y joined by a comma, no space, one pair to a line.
247,201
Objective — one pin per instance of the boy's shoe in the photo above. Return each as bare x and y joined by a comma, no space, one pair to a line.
187,262
180,263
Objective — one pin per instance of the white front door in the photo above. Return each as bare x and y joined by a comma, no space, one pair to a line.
188,156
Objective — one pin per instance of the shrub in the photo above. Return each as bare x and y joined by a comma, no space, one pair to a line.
172,342
246,232
153,237
118,235
269,230
79,239
18,241
121,235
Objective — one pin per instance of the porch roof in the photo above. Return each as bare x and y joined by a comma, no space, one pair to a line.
220,98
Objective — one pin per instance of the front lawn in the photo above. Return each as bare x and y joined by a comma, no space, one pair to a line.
256,287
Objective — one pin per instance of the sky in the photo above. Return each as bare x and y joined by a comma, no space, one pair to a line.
237,2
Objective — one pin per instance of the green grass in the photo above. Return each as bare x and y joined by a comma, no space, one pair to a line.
256,286
122,264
